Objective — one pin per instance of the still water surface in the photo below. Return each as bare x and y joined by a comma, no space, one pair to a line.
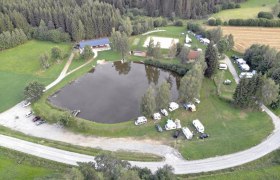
112,92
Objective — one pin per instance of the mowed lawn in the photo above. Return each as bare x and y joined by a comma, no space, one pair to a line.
20,65
249,9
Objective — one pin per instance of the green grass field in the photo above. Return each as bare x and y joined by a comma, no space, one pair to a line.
249,9
20,166
20,65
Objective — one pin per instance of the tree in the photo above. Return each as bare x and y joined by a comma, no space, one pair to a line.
120,43
190,84
270,91
88,171
56,53
276,75
150,47
126,26
64,119
172,50
156,51
44,60
33,91
163,95
230,39
87,53
215,34
148,103
211,58
222,46
184,55
166,172
74,174
179,48
129,175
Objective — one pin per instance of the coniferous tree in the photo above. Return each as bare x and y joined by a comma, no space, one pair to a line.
211,58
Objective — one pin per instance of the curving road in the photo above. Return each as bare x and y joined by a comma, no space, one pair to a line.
180,165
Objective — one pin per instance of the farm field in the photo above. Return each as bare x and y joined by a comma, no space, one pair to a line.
20,65
244,37
249,9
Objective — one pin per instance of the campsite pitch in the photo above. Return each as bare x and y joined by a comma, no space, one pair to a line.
165,43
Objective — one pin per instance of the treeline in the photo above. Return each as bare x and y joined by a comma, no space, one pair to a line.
11,39
260,22
191,9
81,19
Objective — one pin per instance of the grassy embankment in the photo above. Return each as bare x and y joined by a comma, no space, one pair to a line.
20,65
19,166
249,9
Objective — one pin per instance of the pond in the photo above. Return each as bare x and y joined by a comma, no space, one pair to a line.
112,92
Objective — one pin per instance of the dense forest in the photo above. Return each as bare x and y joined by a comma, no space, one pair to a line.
64,20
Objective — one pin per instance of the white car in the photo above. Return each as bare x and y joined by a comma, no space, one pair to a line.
156,116
29,114
140,120
164,112
173,106
223,67
26,103
247,75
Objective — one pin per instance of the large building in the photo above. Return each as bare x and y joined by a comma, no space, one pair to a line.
96,44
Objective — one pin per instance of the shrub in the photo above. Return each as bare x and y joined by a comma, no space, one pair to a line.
265,15
178,23
212,22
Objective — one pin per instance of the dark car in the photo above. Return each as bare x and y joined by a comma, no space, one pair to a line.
38,123
36,118
176,134
203,136
158,127
234,57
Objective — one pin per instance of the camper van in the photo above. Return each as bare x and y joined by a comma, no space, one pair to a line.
187,133
223,67
190,106
141,120
246,75
198,126
244,67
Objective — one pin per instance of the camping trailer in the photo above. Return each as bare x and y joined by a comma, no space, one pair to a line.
178,124
198,126
187,133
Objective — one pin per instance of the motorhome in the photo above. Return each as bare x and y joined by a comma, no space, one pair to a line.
198,126
173,106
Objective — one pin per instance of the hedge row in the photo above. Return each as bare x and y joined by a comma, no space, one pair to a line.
261,22
179,69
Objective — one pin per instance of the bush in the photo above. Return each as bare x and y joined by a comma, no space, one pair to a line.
179,69
261,22
265,15
211,22
178,23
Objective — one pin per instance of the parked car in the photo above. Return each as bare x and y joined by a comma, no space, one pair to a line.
234,57
197,101
159,128
140,120
227,82
203,136
223,67
26,103
164,112
176,134
29,114
36,118
38,123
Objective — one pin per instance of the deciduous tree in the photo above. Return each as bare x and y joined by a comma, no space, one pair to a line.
33,91
211,58
148,103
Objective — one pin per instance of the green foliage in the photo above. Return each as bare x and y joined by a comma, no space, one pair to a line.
184,54
64,119
261,22
178,23
44,61
262,58
150,47
157,51
56,53
88,171
163,95
215,34
11,39
265,15
179,69
87,53
211,58
33,91
120,43
148,103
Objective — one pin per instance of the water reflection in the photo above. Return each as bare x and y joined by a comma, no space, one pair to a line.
112,92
